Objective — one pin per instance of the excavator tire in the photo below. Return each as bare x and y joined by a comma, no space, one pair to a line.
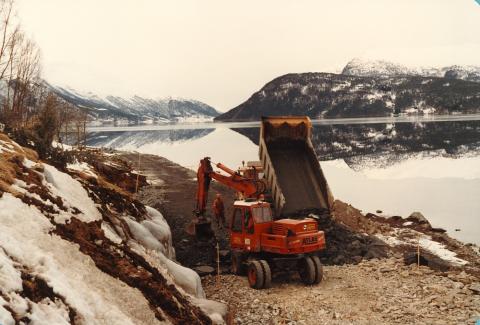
318,269
238,267
267,272
256,277
306,269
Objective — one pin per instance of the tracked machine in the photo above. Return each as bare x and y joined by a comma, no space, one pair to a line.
265,233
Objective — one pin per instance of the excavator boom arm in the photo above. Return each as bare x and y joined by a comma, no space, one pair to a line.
248,187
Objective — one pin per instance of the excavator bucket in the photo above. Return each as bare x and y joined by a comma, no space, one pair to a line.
201,228
291,166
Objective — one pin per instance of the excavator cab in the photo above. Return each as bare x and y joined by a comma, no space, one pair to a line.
249,220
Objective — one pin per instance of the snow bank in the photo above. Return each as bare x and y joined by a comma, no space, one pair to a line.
10,277
215,310
153,234
153,240
28,245
72,194
5,316
96,296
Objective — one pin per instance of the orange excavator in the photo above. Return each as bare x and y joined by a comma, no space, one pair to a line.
260,245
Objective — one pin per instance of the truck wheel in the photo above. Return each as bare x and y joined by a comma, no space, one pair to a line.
255,275
267,272
318,269
238,268
306,269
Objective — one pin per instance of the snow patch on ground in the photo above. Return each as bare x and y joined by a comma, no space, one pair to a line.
10,277
412,237
72,194
97,297
82,167
6,147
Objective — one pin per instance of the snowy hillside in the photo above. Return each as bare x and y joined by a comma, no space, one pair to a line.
377,68
118,110
328,95
77,249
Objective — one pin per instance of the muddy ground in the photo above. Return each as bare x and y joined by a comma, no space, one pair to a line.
172,191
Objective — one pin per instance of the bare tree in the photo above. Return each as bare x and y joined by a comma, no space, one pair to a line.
8,29
26,72
19,70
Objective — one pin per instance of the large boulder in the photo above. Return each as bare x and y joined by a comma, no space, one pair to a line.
419,218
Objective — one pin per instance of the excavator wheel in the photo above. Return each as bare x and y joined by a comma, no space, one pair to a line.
267,272
318,269
256,277
306,269
238,268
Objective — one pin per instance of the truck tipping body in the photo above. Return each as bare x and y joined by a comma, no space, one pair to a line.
291,167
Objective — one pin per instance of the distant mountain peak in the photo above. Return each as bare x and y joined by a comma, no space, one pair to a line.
378,68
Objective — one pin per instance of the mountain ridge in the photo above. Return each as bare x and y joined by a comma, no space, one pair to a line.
377,68
136,109
329,95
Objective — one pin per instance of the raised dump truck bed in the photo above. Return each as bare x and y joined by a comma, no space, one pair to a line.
291,167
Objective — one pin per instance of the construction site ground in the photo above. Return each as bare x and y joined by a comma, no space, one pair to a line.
371,292
172,191
366,280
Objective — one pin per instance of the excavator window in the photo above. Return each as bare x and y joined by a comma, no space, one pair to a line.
249,221
262,214
237,220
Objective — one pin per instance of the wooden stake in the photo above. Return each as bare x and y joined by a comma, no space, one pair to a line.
418,252
138,173
218,263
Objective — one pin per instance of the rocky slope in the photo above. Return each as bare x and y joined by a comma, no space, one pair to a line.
118,110
78,248
378,68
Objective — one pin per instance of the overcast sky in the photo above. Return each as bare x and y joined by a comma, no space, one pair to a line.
220,51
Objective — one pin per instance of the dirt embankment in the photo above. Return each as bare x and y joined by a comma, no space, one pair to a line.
109,185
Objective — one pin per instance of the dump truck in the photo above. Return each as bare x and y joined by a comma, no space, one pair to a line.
291,168
269,228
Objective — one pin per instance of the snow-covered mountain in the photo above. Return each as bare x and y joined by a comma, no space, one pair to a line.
378,68
119,110
328,95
